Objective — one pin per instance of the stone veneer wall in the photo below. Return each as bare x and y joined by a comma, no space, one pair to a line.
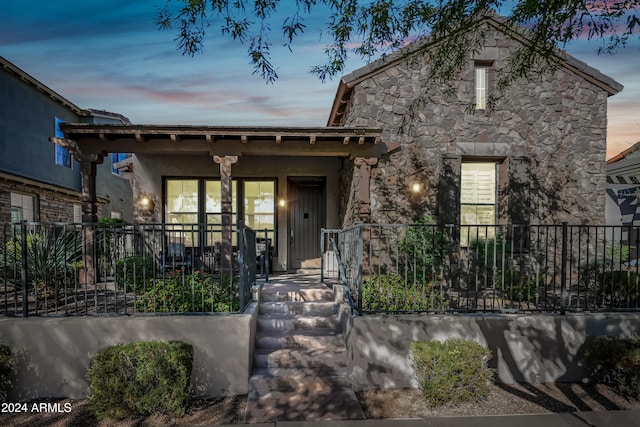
52,206
555,122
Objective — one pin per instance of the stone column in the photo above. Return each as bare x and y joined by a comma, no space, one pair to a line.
226,257
364,198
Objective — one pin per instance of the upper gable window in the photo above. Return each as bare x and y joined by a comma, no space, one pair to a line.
482,82
63,156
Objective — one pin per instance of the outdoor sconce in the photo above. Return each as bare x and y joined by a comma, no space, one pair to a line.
282,203
147,205
416,187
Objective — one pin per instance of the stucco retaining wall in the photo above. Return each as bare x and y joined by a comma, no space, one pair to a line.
526,348
53,353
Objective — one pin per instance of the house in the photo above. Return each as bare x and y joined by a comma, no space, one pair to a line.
622,208
40,181
538,156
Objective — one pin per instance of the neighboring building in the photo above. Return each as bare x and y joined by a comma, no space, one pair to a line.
40,181
537,157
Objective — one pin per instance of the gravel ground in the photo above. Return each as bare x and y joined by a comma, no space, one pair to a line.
389,403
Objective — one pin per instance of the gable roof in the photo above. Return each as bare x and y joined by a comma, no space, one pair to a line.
347,82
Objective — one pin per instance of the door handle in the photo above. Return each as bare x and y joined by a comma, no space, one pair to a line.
291,237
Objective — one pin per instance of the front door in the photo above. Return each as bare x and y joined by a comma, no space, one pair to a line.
307,213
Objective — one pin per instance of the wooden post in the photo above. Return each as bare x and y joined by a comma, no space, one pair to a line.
225,162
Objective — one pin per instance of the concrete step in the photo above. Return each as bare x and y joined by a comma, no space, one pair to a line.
307,405
300,338
330,357
315,294
286,322
316,380
299,307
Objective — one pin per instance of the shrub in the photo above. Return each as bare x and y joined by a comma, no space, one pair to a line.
6,371
619,288
423,247
616,362
132,272
136,379
452,371
392,292
189,293
52,254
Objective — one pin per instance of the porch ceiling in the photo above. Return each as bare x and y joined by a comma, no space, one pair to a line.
223,141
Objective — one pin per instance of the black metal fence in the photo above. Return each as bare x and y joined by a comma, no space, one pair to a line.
400,268
124,269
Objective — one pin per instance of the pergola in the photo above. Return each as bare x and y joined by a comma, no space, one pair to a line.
90,143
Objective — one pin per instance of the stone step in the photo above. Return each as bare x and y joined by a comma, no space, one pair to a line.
301,338
308,405
330,357
313,380
286,322
316,294
299,307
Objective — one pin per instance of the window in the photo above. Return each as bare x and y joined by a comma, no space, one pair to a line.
63,156
259,206
77,213
482,70
115,158
22,207
478,200
194,201
116,214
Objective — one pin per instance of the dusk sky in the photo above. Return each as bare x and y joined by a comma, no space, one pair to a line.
109,55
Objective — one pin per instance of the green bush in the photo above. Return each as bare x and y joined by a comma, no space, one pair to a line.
6,371
137,379
392,292
619,288
189,293
134,271
616,362
423,246
452,371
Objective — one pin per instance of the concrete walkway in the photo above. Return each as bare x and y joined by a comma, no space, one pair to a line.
572,419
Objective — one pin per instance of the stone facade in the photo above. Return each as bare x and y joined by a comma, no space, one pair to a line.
548,136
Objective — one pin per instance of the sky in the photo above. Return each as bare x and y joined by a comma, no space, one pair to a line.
109,55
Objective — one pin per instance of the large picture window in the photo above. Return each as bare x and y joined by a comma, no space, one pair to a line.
478,200
199,201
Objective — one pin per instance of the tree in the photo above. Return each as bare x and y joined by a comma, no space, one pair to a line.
379,26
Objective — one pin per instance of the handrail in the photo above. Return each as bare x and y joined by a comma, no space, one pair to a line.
342,275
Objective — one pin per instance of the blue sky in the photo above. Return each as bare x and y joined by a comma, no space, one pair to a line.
108,54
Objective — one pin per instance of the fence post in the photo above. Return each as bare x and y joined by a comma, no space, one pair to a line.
322,255
267,249
23,268
360,260
563,270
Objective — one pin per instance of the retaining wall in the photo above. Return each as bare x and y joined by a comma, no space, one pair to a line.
526,348
53,353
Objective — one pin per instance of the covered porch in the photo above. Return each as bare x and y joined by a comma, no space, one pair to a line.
285,183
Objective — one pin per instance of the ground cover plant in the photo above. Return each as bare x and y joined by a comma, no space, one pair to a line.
138,379
615,362
452,371
6,370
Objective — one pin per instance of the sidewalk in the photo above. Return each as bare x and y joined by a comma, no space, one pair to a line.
571,419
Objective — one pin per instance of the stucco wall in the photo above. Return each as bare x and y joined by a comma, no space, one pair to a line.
526,348
556,120
53,353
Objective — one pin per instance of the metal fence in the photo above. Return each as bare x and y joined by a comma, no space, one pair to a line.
400,268
125,269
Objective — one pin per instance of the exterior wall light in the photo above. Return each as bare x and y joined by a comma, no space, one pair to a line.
146,203
416,187
282,203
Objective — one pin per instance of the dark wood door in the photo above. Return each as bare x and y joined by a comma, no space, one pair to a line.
307,213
